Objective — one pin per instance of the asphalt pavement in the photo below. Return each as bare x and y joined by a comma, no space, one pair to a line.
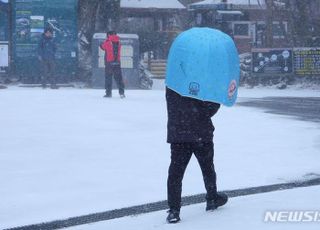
302,108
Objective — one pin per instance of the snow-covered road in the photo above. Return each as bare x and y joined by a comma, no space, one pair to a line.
70,152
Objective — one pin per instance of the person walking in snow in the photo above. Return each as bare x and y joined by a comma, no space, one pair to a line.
190,131
46,54
202,73
112,48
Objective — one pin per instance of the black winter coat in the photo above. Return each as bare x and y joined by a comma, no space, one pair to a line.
47,48
189,120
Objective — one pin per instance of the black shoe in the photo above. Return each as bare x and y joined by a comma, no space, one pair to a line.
122,96
173,216
54,87
107,95
219,200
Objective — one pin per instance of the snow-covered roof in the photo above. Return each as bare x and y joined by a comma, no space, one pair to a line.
241,3
235,2
160,4
232,12
103,36
206,2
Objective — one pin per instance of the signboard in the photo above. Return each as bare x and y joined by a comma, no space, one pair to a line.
129,60
4,36
272,61
4,55
278,61
306,61
4,24
30,18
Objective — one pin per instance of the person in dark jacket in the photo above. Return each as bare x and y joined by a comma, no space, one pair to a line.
46,54
112,48
190,131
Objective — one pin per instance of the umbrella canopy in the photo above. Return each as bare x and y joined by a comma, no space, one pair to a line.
203,63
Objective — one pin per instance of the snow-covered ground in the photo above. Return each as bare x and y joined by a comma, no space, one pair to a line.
70,152
240,213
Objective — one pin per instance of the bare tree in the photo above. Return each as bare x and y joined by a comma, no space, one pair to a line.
94,16
269,23
87,17
304,26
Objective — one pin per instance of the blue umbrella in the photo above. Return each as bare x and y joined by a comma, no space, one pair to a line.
203,63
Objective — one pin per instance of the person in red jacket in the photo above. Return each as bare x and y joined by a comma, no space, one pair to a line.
112,48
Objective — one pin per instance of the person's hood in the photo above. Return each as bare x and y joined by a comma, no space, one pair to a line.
114,38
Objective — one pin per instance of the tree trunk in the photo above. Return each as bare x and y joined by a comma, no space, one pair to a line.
302,24
94,16
269,23
87,17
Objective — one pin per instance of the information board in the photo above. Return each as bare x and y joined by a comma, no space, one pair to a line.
130,56
4,24
4,55
30,18
306,61
272,61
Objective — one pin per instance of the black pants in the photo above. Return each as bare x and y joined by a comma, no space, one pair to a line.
113,71
180,156
48,72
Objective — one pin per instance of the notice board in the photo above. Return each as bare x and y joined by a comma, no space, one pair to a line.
272,61
306,61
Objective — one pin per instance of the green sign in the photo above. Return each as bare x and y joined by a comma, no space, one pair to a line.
30,18
4,21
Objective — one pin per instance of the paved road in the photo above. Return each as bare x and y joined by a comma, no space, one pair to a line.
303,108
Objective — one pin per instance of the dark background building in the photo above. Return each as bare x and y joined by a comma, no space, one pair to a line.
252,24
